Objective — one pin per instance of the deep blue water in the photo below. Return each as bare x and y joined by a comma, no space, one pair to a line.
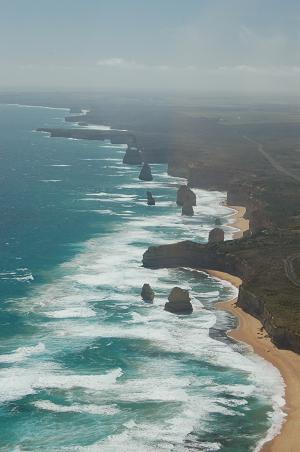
84,363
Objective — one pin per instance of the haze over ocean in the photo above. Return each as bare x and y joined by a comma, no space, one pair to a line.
84,363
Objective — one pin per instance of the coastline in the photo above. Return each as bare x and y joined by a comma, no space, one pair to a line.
240,223
251,332
240,333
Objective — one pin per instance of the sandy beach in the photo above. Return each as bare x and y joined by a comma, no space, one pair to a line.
251,332
241,223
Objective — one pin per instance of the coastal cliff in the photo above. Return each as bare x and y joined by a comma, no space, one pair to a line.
266,292
115,136
191,254
254,305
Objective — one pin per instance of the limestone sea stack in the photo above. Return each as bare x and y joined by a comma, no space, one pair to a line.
147,293
133,156
179,302
150,199
185,194
145,173
216,235
187,209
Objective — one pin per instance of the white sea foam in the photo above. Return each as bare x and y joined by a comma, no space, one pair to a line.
277,418
50,180
107,410
110,272
21,275
103,211
115,146
157,435
36,106
110,196
97,127
25,278
62,165
72,312
22,353
16,383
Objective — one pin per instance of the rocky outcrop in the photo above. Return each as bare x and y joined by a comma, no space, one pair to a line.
150,199
146,173
147,293
216,235
114,136
179,302
214,256
133,156
187,209
185,195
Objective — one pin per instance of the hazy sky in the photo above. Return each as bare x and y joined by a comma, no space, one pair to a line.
222,45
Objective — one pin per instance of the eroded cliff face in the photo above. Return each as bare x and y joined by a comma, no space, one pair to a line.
189,254
243,195
254,305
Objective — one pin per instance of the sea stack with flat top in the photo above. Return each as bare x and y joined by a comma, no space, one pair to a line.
145,173
185,195
133,156
179,302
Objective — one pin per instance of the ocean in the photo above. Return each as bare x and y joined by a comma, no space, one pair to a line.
85,364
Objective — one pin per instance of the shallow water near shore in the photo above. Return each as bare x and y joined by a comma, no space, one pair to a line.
84,363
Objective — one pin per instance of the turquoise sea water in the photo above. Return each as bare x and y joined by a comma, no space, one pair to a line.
84,363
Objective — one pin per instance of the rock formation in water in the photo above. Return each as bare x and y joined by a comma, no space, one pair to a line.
147,293
187,209
179,302
145,173
185,194
133,156
150,199
216,235
259,262
218,221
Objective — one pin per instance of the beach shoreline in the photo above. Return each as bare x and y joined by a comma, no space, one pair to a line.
239,222
250,331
